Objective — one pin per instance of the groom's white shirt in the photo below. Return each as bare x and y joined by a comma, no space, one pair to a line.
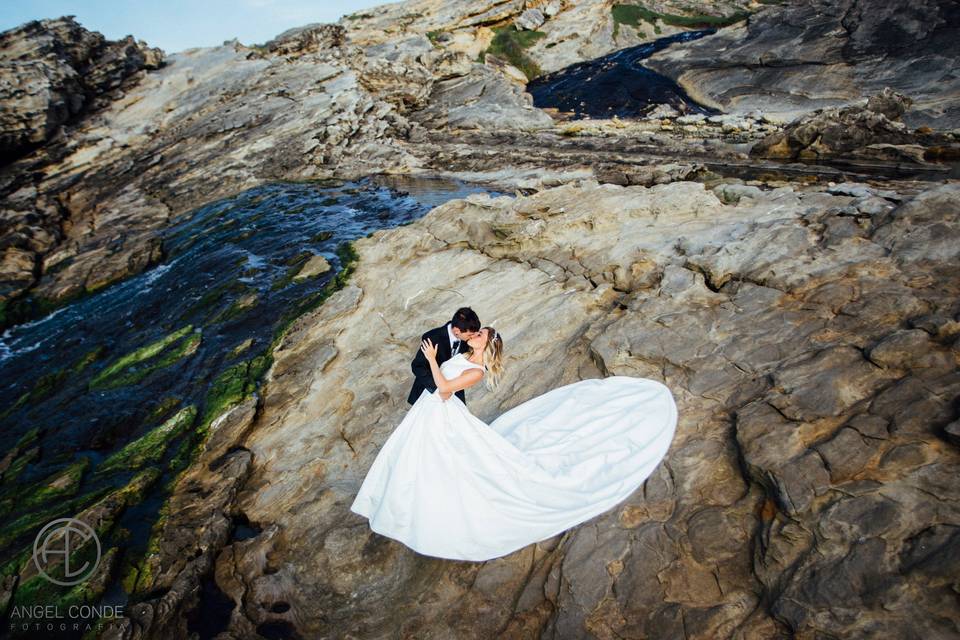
452,337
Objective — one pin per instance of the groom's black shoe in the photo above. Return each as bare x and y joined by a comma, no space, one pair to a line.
423,378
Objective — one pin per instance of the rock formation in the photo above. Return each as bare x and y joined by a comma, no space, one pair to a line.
305,105
789,60
809,331
53,71
94,212
569,32
873,132
809,336
390,89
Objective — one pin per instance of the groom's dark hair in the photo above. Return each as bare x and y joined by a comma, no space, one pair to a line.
466,319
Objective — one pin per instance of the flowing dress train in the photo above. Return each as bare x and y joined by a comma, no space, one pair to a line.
446,484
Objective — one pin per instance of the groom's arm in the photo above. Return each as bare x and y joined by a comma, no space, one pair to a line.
421,368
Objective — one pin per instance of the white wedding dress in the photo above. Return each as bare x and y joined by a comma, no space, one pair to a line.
448,485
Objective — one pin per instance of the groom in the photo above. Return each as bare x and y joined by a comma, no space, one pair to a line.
450,339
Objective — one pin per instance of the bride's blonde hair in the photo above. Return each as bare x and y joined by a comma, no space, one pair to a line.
492,357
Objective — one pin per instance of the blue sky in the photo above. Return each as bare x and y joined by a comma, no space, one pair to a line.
174,25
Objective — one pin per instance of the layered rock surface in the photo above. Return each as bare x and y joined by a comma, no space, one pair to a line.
88,210
572,31
52,71
809,337
95,212
871,132
803,56
390,89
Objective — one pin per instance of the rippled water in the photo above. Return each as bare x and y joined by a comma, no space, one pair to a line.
616,84
74,387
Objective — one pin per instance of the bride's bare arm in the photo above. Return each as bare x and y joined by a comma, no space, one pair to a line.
446,387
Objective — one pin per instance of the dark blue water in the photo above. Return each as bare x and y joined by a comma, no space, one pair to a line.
221,295
616,84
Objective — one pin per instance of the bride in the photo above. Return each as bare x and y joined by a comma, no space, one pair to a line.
448,485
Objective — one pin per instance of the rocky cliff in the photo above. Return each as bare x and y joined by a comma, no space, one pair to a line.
548,34
801,56
389,89
807,328
54,71
85,212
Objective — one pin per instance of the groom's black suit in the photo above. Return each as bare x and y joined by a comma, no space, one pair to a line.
423,378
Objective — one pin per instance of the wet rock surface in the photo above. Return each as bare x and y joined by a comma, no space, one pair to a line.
199,523
94,214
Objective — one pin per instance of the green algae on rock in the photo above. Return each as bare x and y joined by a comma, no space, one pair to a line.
19,456
59,485
151,446
104,509
130,368
509,44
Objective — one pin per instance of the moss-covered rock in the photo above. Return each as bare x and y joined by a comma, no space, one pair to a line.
37,589
232,386
88,358
151,446
163,409
63,483
209,305
315,266
509,44
12,463
105,512
33,520
135,366
139,574
103,515
46,385
294,264
240,348
633,15
240,305
50,382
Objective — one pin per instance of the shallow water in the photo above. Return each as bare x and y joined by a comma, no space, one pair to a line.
616,84
223,291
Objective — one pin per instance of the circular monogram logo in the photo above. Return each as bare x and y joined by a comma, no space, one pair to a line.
57,543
